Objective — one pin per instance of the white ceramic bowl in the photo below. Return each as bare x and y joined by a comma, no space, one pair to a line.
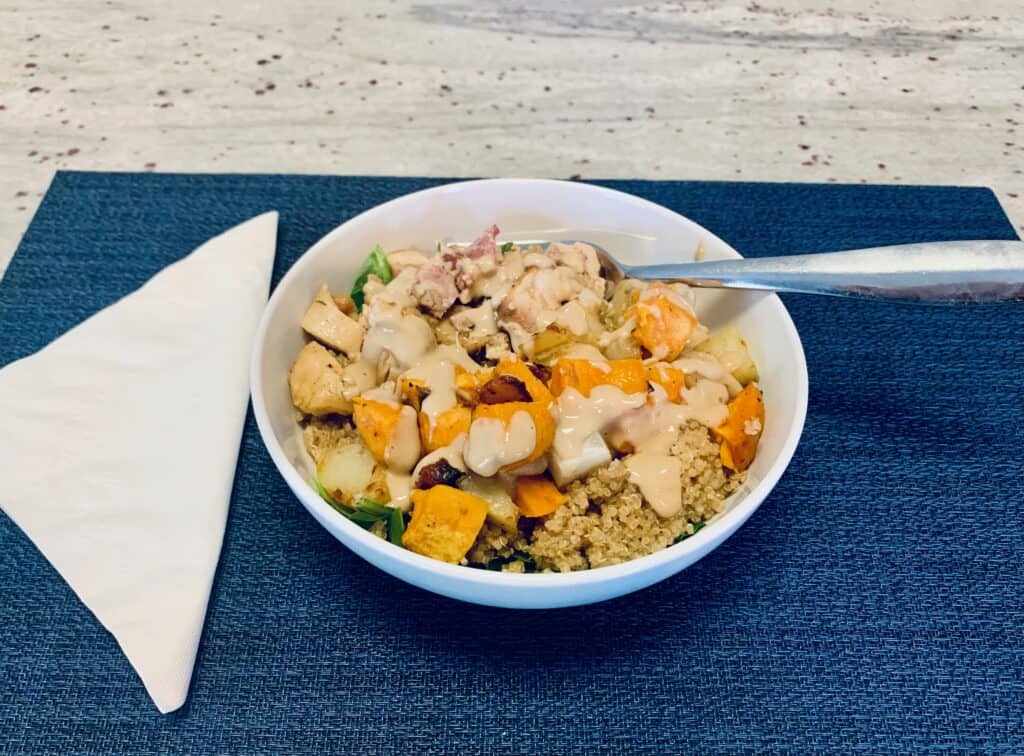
630,227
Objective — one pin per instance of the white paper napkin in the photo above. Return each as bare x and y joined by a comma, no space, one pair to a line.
119,442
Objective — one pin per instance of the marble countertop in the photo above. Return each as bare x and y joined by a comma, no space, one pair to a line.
882,92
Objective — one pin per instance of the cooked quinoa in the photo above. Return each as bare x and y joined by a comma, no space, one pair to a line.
474,416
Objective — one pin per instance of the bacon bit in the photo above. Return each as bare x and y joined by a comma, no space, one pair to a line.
541,372
502,389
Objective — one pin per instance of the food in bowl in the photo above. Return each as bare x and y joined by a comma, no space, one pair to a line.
509,407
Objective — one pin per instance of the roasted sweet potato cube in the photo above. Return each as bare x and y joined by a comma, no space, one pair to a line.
583,375
672,379
663,322
741,429
537,496
449,425
376,423
543,423
445,523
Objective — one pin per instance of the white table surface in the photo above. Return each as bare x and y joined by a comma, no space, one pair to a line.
904,91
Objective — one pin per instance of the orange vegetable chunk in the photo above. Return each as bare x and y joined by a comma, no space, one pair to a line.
628,376
376,422
672,379
536,496
741,429
445,523
543,423
450,425
663,322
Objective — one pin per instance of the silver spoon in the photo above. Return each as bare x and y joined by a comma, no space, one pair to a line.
939,272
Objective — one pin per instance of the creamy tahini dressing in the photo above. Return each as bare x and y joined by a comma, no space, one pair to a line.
579,416
436,370
452,454
385,393
659,478
709,367
406,338
493,445
578,351
654,427
400,488
358,378
403,449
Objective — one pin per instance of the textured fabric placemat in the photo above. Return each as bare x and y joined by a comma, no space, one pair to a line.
874,602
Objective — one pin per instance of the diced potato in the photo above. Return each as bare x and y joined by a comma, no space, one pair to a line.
624,296
742,428
518,369
501,510
445,523
315,382
583,375
376,423
550,344
672,379
536,496
378,489
621,346
729,348
325,322
346,472
593,454
663,323
543,423
449,425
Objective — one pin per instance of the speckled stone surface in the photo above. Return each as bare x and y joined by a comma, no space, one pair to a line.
899,91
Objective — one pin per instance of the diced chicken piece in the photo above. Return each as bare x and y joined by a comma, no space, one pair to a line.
401,259
384,301
474,325
664,321
540,290
372,287
358,377
593,454
326,323
316,383
582,258
435,289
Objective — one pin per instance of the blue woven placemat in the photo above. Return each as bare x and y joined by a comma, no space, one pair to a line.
874,602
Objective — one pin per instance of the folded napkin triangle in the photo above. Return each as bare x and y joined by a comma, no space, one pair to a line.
119,445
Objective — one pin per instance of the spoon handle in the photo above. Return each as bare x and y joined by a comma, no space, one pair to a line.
941,272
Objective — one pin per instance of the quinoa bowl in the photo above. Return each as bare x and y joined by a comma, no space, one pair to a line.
610,534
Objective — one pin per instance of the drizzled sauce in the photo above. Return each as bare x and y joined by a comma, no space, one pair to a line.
436,370
403,448
659,478
406,338
400,488
493,445
579,416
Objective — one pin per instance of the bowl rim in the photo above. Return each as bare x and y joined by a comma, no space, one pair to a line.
696,544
